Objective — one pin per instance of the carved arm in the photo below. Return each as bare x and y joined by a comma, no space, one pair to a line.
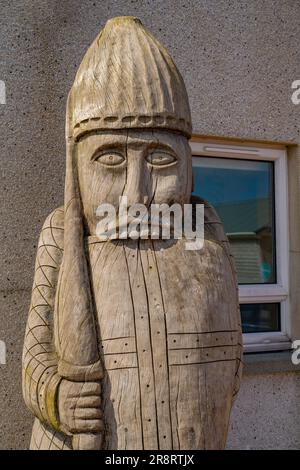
39,366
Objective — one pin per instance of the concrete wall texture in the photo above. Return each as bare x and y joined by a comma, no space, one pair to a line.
238,59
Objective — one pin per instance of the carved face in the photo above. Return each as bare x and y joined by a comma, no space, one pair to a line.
146,166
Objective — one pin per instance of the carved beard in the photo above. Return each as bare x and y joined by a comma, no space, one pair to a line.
169,333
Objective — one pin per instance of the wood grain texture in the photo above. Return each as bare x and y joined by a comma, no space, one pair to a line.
170,344
130,344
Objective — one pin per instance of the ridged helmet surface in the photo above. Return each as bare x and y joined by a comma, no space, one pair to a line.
127,79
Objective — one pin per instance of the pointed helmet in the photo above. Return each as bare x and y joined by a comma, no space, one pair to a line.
127,79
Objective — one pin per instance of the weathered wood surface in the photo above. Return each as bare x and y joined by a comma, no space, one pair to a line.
130,344
193,399
170,343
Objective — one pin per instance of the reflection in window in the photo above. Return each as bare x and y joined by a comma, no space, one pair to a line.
260,318
242,193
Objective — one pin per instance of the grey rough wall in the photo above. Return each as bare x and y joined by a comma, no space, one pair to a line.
266,414
238,59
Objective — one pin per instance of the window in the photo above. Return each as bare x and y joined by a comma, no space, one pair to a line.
247,185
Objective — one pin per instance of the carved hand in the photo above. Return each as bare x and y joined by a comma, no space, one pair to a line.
79,407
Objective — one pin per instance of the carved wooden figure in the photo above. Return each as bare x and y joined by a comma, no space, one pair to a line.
130,344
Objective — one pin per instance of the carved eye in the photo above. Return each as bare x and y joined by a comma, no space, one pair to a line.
110,158
159,158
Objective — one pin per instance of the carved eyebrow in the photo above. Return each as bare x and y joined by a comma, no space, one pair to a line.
162,146
108,133
152,145
112,146
121,147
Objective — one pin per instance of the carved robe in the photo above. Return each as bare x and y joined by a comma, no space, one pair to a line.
169,339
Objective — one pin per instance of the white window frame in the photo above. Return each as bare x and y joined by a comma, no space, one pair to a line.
264,293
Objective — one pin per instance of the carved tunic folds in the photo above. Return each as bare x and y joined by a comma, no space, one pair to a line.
169,341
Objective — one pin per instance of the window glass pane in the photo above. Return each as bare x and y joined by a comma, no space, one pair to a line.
260,318
242,193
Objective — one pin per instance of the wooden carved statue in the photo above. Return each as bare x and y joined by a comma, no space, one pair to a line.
130,344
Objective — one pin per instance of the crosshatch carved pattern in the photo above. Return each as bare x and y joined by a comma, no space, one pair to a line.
39,356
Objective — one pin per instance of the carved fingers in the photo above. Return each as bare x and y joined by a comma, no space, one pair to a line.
79,407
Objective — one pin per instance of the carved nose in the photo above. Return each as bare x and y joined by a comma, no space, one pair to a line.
136,192
137,184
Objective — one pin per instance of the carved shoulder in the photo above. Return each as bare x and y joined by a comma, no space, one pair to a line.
213,227
52,233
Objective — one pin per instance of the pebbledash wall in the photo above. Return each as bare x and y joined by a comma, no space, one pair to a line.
238,59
